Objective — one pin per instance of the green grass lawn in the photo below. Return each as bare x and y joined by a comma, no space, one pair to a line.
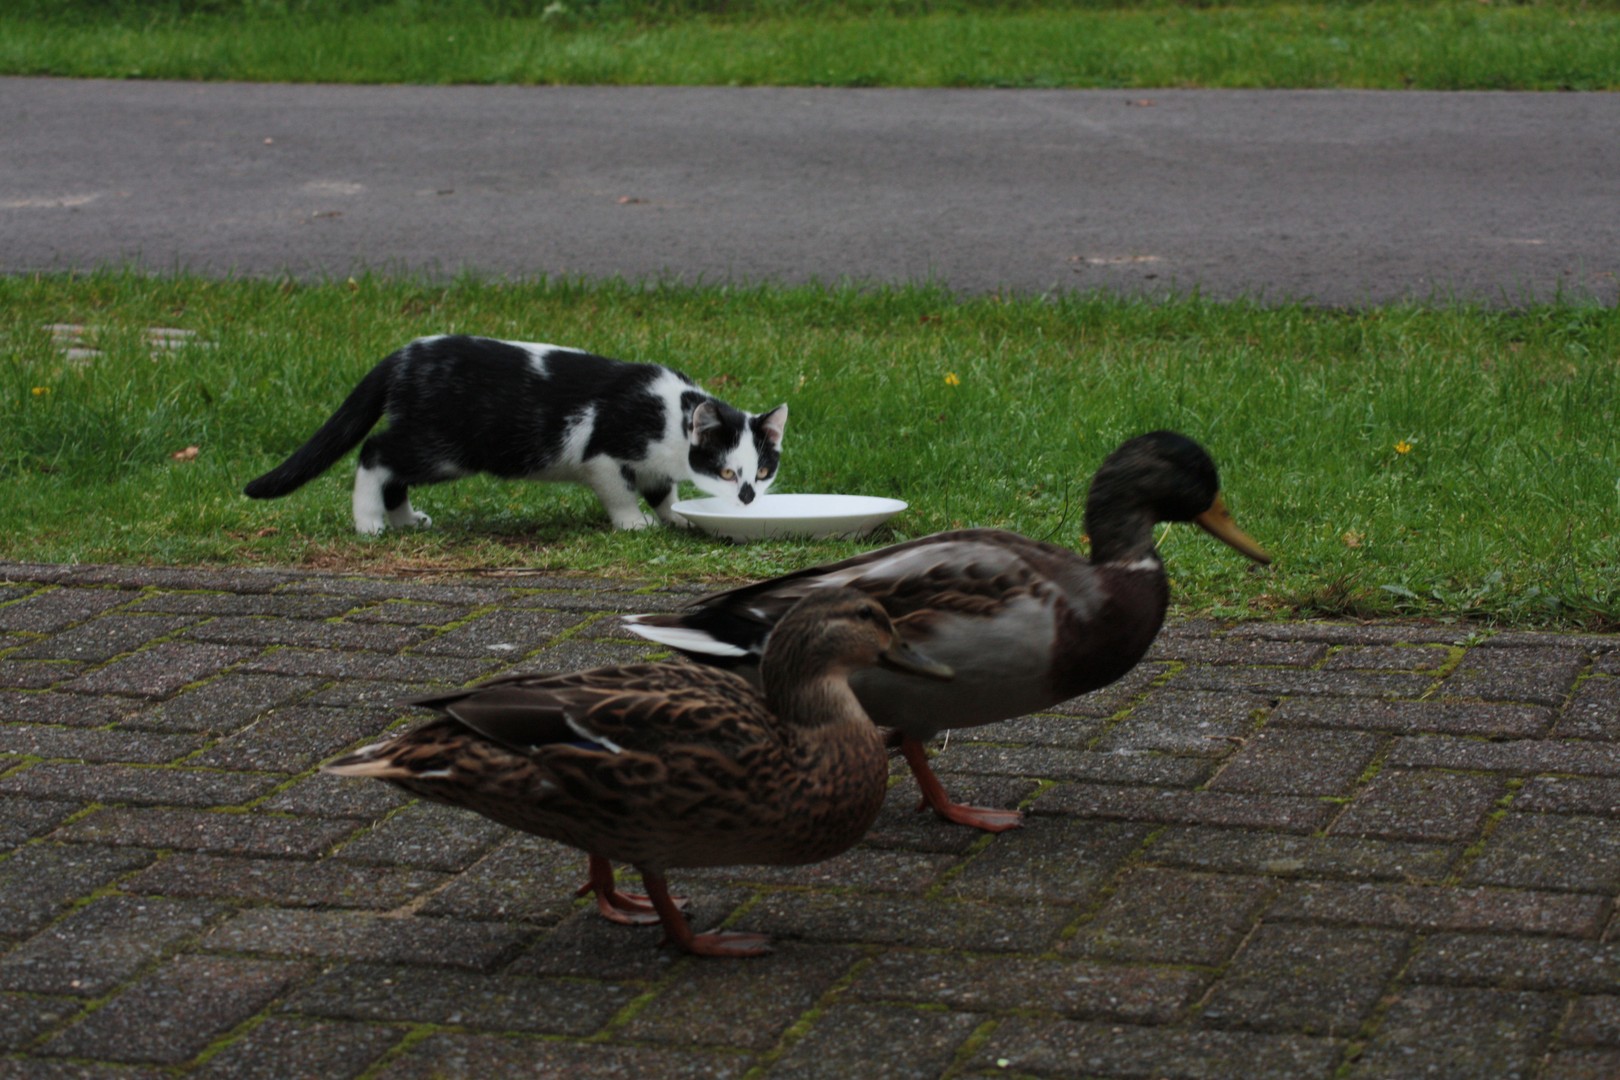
1435,461
1438,44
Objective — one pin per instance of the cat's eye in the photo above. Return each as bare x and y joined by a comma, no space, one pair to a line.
728,474
763,473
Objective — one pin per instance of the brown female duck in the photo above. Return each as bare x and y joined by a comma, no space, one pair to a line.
1024,624
672,765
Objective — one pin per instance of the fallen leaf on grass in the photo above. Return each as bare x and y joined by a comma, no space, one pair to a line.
188,454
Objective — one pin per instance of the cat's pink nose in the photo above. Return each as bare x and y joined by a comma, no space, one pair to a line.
745,494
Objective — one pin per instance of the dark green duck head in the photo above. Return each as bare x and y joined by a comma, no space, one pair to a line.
1160,476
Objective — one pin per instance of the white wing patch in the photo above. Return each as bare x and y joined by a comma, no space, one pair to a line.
682,637
592,737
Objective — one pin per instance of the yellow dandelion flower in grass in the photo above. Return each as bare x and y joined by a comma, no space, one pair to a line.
1403,447
40,391
952,379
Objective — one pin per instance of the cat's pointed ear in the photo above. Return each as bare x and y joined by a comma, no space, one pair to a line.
773,424
705,418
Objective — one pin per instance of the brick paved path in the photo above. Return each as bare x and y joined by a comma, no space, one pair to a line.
1302,850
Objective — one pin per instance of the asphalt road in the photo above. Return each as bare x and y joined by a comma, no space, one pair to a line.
1340,198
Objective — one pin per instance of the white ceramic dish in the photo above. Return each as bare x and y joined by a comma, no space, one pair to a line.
812,516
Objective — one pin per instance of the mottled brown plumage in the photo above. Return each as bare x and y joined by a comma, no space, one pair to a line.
672,765
1024,624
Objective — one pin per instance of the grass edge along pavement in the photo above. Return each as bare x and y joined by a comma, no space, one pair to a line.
1443,45
1275,850
1436,460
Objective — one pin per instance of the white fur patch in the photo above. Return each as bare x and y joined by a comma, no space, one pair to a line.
370,518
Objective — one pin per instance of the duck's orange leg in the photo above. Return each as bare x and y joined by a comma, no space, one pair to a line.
934,797
679,933
628,909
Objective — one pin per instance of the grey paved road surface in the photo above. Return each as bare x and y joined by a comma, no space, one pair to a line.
1272,852
1336,198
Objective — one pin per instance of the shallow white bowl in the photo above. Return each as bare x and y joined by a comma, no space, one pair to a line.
811,516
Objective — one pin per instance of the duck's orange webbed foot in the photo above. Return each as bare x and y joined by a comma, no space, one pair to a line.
935,799
624,908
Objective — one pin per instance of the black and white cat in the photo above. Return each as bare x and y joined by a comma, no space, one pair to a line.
458,405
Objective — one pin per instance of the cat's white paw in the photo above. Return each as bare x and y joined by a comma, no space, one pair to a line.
410,519
638,521
370,528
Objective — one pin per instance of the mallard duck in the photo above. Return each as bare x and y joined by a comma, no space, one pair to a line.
1024,624
673,764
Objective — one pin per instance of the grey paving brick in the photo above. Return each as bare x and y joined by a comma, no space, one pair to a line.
427,835
1353,634
1300,682
1238,650
505,633
1288,813
1403,804
1454,1032
73,710
22,818
1593,712
287,882
895,921
1057,763
1016,865
1387,658
582,654
279,1048
382,694
352,935
487,1055
1314,979
1521,757
352,664
100,945
1185,722
1242,851
201,830
233,605
412,613
396,993
103,638
1548,851
243,630
1072,732
1116,695
1570,795
524,877
26,1017
1542,676
1174,917
137,785
1516,962
586,946
1419,907
868,869
1062,1048
1455,718
291,739
38,674
148,748
1586,1063
224,705
849,1040
1298,762
325,795
162,669
1593,1021
38,882
1077,988
746,1006
50,610
173,1014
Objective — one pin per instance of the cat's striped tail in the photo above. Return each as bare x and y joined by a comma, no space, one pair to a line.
341,433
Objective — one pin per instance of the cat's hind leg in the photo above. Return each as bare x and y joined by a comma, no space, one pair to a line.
370,515
397,505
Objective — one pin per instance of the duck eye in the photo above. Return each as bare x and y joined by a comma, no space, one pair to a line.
728,474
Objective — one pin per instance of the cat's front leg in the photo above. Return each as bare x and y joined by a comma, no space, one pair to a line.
663,501
619,498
